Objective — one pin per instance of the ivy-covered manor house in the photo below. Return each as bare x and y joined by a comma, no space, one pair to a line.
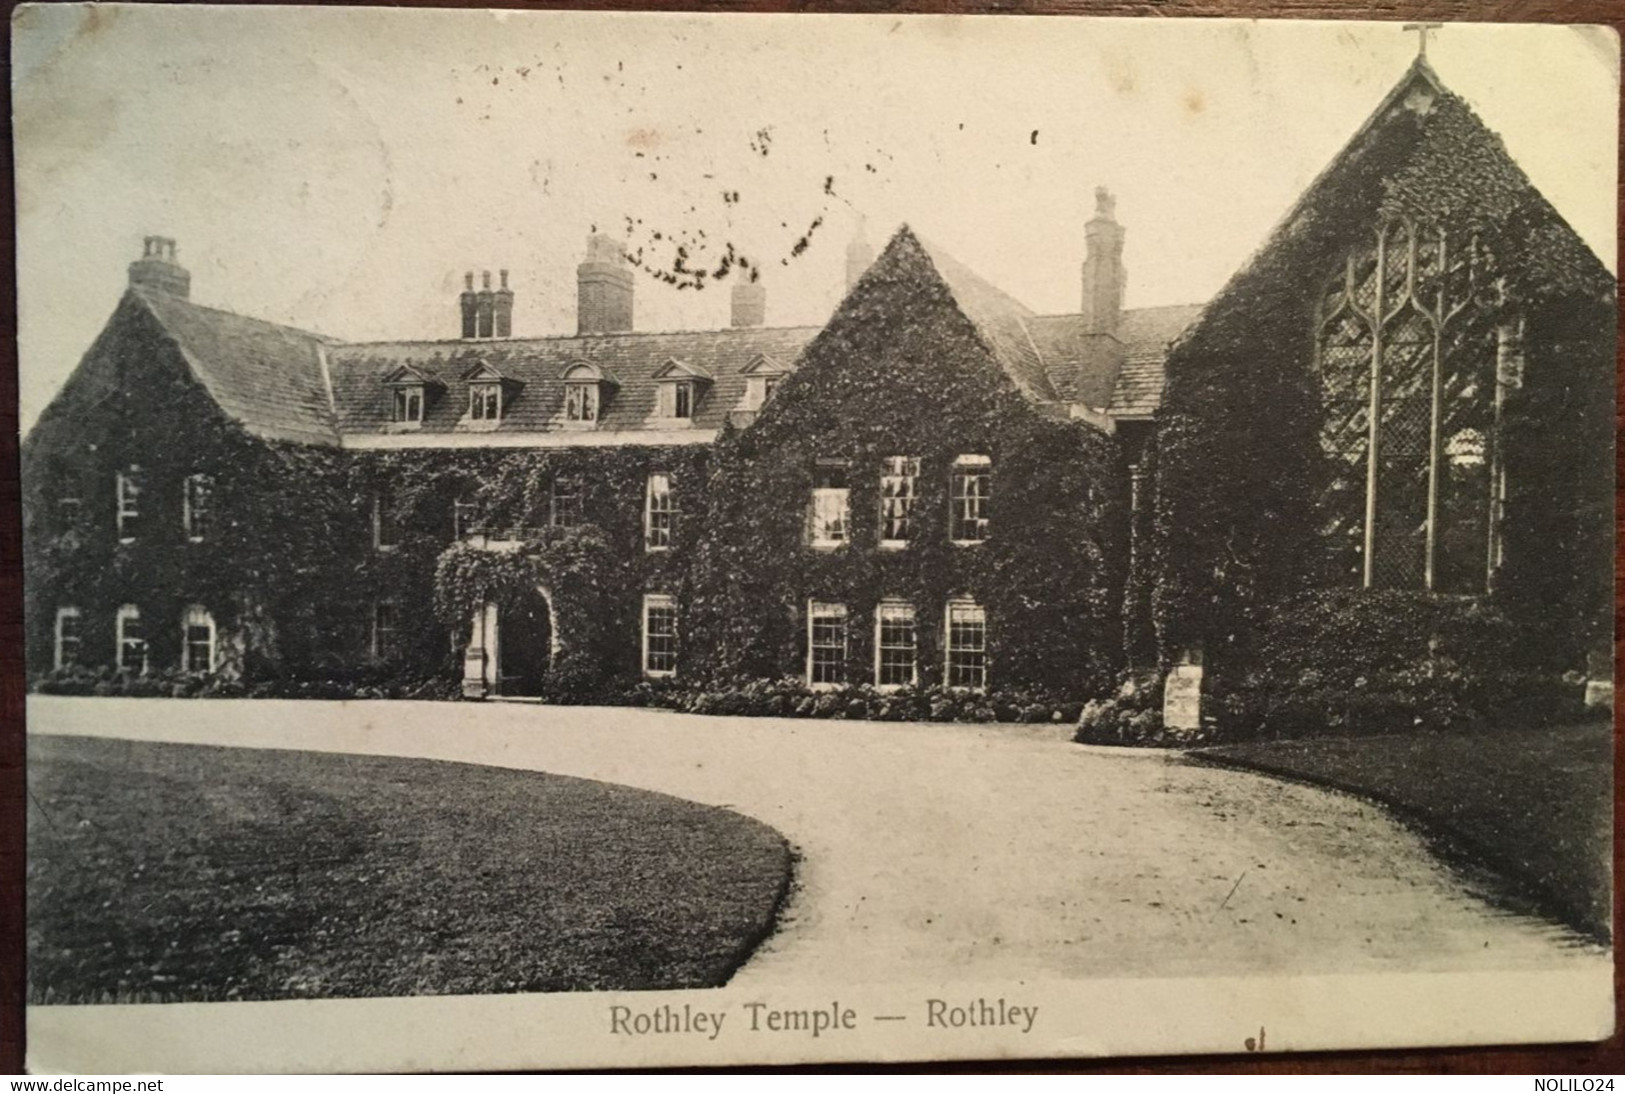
1408,390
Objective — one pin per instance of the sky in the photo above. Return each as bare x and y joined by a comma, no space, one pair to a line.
338,169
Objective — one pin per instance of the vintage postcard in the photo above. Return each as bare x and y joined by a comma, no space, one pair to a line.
572,539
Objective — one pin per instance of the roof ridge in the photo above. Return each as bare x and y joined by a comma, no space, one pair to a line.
984,305
1417,68
180,321
152,296
1126,311
937,256
518,339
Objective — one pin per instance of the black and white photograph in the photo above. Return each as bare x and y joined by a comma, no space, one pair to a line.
591,540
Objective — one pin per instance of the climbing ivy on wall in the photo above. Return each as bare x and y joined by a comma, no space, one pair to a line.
595,572
1557,582
899,371
576,569
1238,462
288,568
272,516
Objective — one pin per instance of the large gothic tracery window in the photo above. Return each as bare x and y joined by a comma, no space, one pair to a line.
1407,357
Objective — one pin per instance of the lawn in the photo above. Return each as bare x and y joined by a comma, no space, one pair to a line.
1533,807
165,873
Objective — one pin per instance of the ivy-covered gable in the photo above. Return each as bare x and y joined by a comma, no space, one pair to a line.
1261,481
902,384
899,333
140,490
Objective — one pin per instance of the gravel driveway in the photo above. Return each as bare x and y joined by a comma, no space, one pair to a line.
936,852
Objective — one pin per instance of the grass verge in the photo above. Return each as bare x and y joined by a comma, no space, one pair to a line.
1533,807
167,873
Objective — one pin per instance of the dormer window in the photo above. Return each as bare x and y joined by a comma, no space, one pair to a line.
581,403
489,393
677,400
485,402
586,389
409,404
762,378
411,391
680,385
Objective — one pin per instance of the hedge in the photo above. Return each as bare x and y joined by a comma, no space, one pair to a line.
1351,662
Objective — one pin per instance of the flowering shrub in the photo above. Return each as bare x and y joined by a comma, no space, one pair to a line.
1133,716
371,683
1355,662
791,698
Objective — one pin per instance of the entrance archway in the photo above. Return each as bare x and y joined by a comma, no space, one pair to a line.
525,648
511,646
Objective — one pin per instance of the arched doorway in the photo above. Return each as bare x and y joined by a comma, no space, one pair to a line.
510,648
525,649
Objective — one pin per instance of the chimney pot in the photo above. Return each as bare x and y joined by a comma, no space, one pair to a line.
1100,352
603,288
749,303
502,307
468,306
158,269
1103,273
484,308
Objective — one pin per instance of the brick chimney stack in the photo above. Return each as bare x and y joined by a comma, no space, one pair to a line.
749,303
484,306
157,268
469,301
603,288
1103,267
1100,350
502,307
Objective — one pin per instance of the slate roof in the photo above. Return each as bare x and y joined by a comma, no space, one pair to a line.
287,384
1145,333
533,369
266,376
999,318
